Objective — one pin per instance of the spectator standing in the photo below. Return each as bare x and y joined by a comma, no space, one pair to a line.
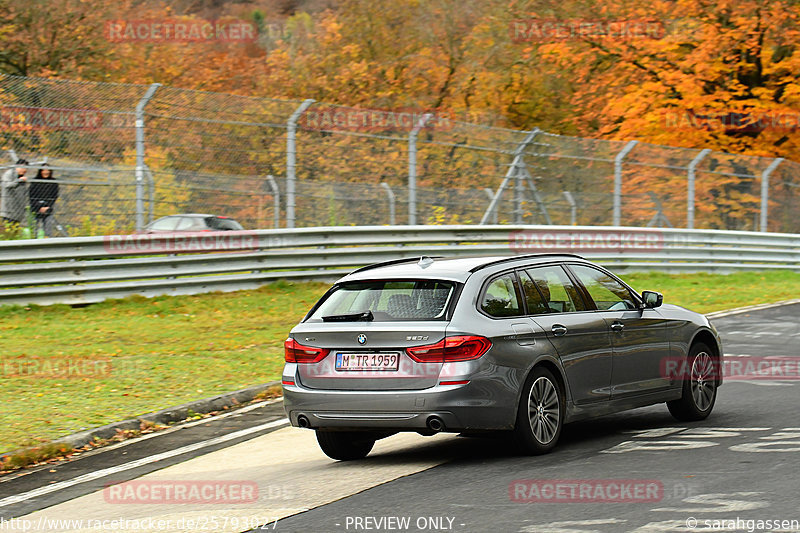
13,193
43,194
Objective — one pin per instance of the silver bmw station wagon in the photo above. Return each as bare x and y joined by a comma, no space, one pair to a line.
521,344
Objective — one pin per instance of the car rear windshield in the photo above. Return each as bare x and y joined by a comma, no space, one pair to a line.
387,301
223,224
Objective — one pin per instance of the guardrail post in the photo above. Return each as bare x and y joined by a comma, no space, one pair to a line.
412,168
691,174
291,159
139,172
390,195
512,172
617,217
765,191
276,201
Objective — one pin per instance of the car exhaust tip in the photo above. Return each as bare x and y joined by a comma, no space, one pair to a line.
435,424
303,422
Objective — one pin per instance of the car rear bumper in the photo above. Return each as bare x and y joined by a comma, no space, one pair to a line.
471,406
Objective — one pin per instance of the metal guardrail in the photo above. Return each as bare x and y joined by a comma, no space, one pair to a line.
91,269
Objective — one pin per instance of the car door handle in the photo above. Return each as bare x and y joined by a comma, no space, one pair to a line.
558,330
617,326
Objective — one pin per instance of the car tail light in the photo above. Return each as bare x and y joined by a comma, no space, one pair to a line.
297,353
451,349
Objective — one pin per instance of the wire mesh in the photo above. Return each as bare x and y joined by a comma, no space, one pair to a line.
214,153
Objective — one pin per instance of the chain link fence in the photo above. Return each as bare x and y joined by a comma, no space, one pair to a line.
124,155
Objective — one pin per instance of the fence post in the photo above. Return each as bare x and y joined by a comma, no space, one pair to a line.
519,194
617,217
151,192
412,168
490,194
139,172
512,171
291,159
390,195
691,174
276,202
573,207
765,191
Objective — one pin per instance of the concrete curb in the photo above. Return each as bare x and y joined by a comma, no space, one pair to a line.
165,416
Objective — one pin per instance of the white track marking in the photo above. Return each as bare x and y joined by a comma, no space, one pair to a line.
47,489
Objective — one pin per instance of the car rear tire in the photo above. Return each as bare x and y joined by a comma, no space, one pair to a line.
345,445
699,385
540,416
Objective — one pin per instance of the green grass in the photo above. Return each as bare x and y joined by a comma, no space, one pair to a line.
160,352
706,293
137,355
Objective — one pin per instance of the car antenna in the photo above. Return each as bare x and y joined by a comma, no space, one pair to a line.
425,261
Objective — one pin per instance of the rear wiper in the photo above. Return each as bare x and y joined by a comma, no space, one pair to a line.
354,317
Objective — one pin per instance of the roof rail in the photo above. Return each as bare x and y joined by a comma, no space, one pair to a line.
526,256
392,262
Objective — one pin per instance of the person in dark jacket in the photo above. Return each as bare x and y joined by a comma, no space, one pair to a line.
43,194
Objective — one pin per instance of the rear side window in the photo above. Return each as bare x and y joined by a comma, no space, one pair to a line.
226,224
389,300
500,298
560,294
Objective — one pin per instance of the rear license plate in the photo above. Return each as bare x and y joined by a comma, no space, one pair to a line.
367,361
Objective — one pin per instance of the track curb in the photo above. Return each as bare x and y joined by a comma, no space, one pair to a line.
738,310
166,416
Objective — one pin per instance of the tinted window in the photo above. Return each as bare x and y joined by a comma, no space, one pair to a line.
560,294
227,224
533,298
607,293
500,298
164,224
389,300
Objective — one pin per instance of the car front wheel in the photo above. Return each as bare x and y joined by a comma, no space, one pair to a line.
540,416
699,386
345,445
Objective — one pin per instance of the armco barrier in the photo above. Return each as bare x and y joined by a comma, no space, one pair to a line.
91,269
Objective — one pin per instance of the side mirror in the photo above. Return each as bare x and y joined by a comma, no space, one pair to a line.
652,299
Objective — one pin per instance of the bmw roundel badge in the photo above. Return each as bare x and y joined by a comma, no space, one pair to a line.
362,339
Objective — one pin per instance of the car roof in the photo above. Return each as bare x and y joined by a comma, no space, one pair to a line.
452,268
